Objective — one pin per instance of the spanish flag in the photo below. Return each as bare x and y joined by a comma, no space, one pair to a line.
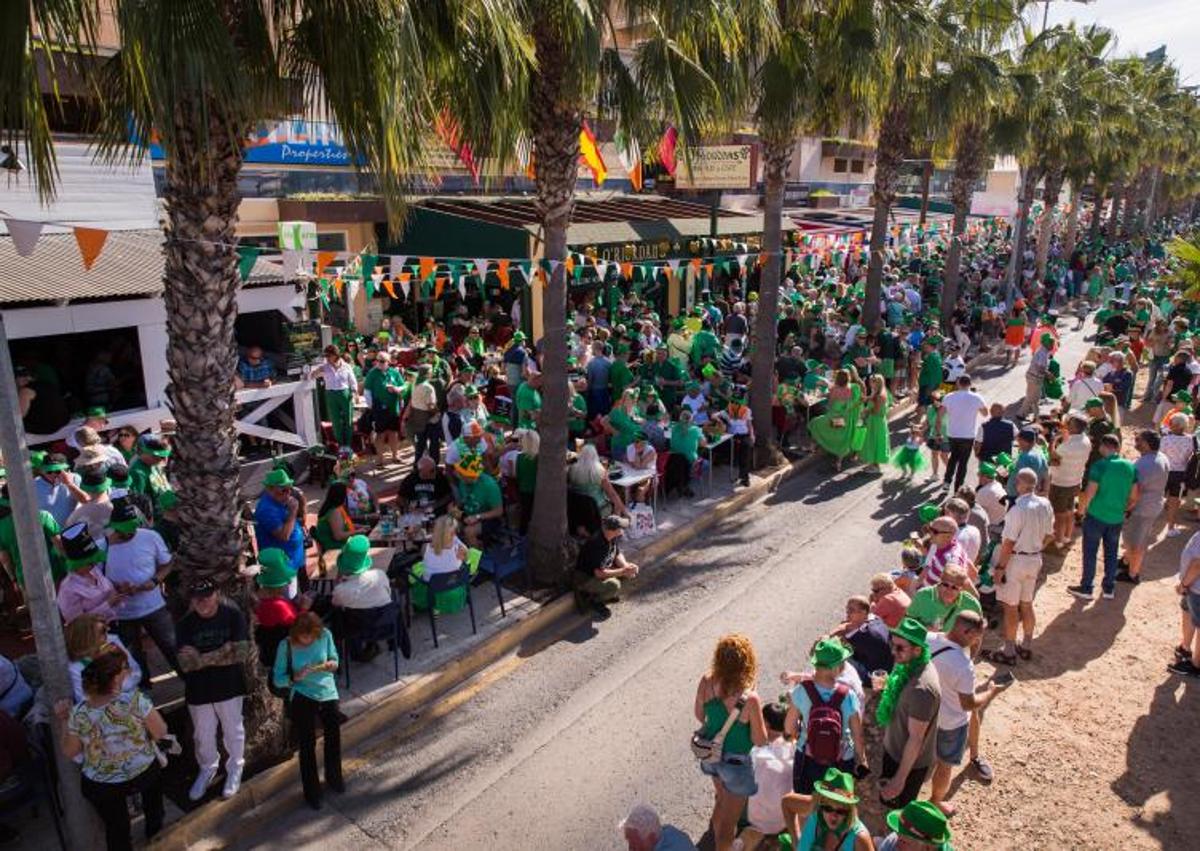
589,154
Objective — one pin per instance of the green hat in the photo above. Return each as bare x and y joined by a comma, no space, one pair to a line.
912,631
813,364
929,512
692,385
95,483
168,500
709,370
1094,402
987,468
677,323
79,548
829,653
276,571
923,821
1048,340
95,413
1182,396
355,556
1003,461
518,337
54,463
836,786
124,518
278,479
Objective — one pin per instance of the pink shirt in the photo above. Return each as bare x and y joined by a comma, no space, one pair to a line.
890,608
937,560
78,595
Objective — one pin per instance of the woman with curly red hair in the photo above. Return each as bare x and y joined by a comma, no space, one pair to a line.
728,688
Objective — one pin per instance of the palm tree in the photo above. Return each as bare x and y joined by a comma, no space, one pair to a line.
199,76
683,51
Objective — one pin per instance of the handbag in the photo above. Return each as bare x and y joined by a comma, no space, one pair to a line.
641,522
711,750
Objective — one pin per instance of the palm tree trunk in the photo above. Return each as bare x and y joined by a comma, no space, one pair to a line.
1050,193
970,155
1097,214
1115,212
893,144
1073,220
1131,210
777,153
1152,198
556,119
926,179
1030,176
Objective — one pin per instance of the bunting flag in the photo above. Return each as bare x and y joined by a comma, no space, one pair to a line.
570,264
91,243
425,268
294,262
481,269
630,156
627,271
390,287
366,265
525,266
450,132
406,284
741,262
351,291
462,286
523,148
373,282
324,258
695,264
708,270
247,257
438,285
589,154
398,262
673,265
502,273
24,235
666,150
601,269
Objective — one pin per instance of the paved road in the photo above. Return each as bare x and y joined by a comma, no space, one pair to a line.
554,754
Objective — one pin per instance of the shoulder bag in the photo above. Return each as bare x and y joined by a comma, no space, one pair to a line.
710,750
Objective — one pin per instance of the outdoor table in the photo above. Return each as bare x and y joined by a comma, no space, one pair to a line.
409,532
711,448
321,587
630,476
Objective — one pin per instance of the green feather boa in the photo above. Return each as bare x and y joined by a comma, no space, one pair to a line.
896,682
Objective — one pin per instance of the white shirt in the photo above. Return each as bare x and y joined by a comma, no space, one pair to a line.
963,411
447,561
1082,389
1177,447
956,673
1191,552
1028,523
773,772
970,540
135,562
370,589
340,377
990,498
95,514
1072,458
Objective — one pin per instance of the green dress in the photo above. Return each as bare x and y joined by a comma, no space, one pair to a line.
838,431
876,448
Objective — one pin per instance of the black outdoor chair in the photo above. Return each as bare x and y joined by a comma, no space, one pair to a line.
384,623
440,582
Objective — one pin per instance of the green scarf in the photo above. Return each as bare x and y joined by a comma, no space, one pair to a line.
896,682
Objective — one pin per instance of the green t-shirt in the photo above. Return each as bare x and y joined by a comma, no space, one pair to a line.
526,473
931,371
8,542
479,496
685,440
377,382
529,401
705,343
928,608
1115,477
151,481
669,370
578,425
620,376
626,429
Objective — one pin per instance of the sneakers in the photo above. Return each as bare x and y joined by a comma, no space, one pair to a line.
233,782
601,612
1126,576
203,780
1080,592
1184,667
1109,593
1174,533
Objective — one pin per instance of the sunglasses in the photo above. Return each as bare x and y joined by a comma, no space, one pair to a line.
834,811
950,585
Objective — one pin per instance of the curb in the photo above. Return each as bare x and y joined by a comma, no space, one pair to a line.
276,791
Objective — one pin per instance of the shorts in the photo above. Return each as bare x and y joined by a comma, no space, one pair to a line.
806,771
384,420
1176,483
887,367
1192,602
1062,499
912,786
952,744
1138,531
936,445
736,773
1020,580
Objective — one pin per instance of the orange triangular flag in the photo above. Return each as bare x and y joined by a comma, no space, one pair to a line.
627,271
708,267
695,264
762,259
91,243
570,264
502,273
324,258
405,277
426,266
390,287
437,287
338,285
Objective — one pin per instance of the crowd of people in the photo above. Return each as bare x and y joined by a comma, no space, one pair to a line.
651,396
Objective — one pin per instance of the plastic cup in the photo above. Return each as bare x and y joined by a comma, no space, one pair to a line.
878,679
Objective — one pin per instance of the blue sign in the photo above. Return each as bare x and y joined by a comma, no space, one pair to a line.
316,143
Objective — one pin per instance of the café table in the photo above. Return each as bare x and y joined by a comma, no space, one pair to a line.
628,477
711,447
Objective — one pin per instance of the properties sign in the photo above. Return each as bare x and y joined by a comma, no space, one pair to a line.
717,167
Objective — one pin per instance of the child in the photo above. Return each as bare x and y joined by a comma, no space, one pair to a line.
908,576
773,774
937,433
908,457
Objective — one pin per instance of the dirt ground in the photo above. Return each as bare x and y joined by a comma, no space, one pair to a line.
1096,745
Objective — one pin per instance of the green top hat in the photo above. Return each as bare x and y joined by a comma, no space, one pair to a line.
829,653
276,570
1182,396
709,370
836,786
518,337
923,821
95,483
153,446
1002,461
95,413
124,518
1094,402
814,364
912,631
278,479
80,549
929,512
987,468
355,556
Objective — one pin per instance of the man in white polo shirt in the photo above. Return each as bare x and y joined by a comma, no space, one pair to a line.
964,409
1026,526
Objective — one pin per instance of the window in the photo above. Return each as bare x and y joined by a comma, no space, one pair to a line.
840,165
858,166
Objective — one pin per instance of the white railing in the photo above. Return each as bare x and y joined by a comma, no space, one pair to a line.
303,428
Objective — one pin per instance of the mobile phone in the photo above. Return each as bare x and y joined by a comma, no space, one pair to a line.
1004,678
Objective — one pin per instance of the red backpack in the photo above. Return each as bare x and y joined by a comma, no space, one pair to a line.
823,740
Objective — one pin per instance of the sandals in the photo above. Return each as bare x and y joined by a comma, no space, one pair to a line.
1025,653
983,768
999,657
